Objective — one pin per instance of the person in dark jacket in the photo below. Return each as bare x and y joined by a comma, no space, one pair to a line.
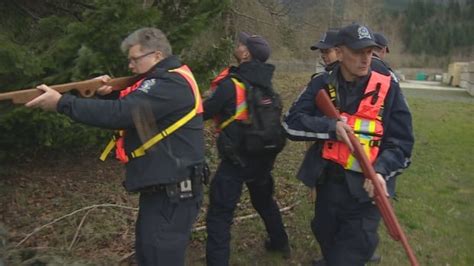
378,59
382,49
167,175
346,220
237,167
326,46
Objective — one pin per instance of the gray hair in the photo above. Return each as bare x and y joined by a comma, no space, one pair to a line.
150,39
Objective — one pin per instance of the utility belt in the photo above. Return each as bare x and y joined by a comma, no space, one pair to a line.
187,189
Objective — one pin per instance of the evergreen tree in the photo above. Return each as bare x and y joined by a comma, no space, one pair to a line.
57,41
426,28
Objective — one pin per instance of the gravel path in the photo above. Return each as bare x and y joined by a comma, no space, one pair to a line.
435,91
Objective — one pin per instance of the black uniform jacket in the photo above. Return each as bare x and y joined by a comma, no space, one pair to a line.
380,66
222,102
305,122
161,100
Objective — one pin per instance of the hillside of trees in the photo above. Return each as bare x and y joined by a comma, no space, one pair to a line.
439,29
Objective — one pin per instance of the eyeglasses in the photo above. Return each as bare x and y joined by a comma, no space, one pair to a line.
134,60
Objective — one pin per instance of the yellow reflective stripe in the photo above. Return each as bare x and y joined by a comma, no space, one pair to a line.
140,151
352,162
241,84
372,126
241,108
357,124
227,122
365,144
107,149
332,92
363,125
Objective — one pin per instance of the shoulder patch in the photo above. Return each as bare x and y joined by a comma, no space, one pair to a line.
146,85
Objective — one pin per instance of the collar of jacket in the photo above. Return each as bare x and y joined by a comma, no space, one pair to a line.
380,66
162,67
359,83
256,73
331,66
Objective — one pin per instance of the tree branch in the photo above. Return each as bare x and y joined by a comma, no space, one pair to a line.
79,229
250,17
36,230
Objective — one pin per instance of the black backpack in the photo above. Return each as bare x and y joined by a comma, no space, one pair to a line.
263,133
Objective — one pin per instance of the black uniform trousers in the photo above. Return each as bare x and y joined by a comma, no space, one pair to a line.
163,228
225,191
345,228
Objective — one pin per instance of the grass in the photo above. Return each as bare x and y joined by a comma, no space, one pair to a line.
434,200
435,194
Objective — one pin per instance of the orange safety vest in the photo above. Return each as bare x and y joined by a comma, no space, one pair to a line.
241,110
367,125
118,138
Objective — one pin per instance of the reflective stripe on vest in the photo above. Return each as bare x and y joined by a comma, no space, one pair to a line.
121,155
241,110
367,125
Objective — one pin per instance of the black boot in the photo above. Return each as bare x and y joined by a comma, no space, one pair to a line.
284,250
375,259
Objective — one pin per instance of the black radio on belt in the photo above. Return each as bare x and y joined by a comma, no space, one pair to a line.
181,190
185,189
191,186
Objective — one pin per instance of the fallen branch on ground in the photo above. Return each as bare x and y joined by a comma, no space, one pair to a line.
79,229
36,230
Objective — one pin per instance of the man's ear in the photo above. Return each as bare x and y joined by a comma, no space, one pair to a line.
159,56
246,55
338,50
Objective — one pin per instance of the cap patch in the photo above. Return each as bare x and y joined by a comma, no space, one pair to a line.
363,33
323,38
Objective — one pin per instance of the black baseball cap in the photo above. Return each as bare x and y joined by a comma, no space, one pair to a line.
356,36
328,40
381,40
257,45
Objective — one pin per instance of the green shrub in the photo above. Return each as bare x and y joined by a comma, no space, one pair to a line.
24,132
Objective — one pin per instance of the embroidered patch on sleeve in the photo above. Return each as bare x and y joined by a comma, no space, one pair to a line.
146,85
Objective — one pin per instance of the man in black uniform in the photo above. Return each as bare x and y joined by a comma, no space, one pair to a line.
378,60
326,46
373,107
237,167
382,49
167,175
